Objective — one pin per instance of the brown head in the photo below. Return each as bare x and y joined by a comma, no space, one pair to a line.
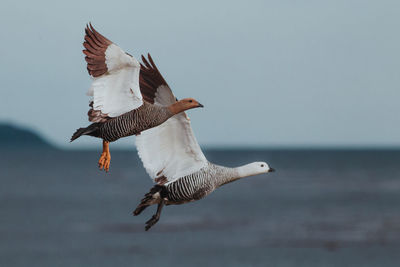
184,104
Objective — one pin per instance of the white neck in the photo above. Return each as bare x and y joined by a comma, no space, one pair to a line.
246,170
237,173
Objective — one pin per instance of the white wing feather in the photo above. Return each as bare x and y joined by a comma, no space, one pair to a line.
117,91
171,149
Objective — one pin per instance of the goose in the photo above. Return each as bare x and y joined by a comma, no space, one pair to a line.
119,108
174,160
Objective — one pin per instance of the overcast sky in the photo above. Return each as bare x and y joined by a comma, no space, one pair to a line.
269,73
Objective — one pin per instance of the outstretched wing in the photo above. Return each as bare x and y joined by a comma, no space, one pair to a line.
115,87
154,88
170,150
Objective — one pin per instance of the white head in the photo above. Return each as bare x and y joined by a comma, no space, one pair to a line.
261,167
254,168
251,169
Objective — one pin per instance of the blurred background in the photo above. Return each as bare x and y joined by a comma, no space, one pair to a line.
311,87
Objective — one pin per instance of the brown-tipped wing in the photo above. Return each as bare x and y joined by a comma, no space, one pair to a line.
153,87
95,50
115,86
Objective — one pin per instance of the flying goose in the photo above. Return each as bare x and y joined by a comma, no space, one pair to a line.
173,158
119,108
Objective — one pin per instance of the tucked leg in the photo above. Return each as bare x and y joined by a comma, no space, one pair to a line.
144,203
151,198
156,216
105,158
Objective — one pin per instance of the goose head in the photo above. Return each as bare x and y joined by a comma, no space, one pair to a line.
254,168
261,167
184,104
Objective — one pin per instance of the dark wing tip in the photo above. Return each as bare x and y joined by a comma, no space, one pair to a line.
150,78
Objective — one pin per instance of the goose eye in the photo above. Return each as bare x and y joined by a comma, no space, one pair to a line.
262,165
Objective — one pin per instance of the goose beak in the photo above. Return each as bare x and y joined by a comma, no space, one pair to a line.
271,170
200,106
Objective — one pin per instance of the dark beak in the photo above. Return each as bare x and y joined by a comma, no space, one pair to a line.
200,106
271,170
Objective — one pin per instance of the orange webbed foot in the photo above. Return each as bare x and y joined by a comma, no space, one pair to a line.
105,158
104,161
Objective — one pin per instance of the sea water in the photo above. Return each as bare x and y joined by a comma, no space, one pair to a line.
320,208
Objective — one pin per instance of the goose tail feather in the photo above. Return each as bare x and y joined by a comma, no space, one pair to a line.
90,130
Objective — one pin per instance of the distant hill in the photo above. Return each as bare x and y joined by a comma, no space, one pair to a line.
15,137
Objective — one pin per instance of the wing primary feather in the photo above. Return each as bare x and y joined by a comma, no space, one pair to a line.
146,63
142,67
97,66
91,42
89,33
93,56
152,62
93,61
98,52
100,37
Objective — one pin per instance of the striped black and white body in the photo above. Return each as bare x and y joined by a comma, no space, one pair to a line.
194,186
131,123
199,184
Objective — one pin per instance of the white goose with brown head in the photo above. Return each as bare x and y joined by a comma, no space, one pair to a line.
120,107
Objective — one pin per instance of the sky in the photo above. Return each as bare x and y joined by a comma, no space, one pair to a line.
269,73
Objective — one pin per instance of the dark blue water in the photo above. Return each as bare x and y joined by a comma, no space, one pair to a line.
321,208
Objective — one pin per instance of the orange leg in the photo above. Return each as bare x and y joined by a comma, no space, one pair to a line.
105,158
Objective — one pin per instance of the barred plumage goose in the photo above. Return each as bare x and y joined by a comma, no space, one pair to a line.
174,160
120,107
